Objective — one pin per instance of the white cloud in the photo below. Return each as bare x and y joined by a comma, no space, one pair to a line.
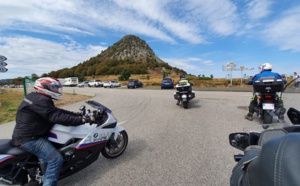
192,65
285,32
169,23
258,9
27,55
218,17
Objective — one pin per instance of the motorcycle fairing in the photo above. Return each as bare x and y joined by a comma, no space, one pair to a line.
95,138
88,145
4,157
62,134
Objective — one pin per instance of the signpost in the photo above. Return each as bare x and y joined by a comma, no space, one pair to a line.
3,58
2,69
3,64
233,67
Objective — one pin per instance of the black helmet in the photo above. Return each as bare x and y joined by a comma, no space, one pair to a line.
182,76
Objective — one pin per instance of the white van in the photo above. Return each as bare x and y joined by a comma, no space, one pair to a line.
71,81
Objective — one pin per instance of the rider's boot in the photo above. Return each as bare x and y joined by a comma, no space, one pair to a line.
249,116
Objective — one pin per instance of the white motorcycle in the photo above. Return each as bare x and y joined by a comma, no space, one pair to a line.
79,145
184,93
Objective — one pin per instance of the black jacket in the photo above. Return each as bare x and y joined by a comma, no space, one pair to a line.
35,117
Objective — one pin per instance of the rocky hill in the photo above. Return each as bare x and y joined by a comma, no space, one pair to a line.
130,53
131,48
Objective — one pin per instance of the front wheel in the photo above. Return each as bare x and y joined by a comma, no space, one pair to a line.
185,104
115,148
267,118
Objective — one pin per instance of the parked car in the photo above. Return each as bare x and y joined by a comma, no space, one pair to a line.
134,84
96,83
83,84
111,84
167,83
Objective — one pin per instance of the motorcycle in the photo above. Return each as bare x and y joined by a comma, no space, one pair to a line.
184,93
267,159
80,146
241,140
268,102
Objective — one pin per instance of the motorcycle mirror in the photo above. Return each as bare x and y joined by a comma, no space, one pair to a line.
294,115
82,108
239,140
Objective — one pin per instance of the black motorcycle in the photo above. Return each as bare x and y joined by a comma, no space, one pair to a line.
269,103
268,156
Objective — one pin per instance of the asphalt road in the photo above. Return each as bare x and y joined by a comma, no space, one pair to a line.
168,145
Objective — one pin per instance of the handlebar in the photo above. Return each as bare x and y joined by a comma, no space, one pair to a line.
99,114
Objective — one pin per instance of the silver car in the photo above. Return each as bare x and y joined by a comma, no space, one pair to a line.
111,84
83,84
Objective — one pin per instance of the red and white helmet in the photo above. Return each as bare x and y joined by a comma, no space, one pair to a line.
265,66
49,86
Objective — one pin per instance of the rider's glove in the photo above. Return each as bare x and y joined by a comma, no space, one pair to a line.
88,119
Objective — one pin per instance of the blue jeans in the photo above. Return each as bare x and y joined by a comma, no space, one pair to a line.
44,150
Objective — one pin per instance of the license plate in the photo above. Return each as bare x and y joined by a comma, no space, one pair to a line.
268,106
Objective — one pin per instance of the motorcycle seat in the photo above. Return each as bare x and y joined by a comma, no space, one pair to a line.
7,148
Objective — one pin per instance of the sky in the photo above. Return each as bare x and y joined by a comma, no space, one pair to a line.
198,36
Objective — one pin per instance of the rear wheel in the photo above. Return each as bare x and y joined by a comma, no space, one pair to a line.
114,149
267,118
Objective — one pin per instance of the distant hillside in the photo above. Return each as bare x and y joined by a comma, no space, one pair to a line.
130,53
5,81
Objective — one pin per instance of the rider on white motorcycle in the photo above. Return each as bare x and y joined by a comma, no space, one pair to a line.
182,80
35,117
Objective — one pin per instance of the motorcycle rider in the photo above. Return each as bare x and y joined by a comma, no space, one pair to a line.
182,81
265,71
35,117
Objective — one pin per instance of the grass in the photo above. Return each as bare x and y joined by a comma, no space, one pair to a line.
11,98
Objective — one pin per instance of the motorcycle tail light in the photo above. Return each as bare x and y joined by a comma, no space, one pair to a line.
268,96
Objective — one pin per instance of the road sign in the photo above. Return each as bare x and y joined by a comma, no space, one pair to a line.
2,58
2,69
2,64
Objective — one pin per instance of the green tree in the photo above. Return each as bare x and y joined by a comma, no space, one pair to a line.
17,81
125,75
34,76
